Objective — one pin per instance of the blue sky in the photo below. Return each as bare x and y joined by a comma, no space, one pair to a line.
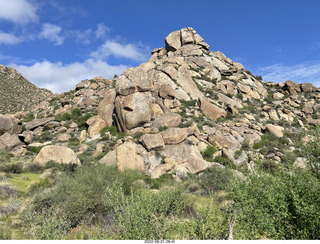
57,43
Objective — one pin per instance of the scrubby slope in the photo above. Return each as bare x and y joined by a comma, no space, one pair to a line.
17,93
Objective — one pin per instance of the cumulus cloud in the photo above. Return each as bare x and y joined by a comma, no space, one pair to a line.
299,73
52,33
9,39
18,11
116,49
59,77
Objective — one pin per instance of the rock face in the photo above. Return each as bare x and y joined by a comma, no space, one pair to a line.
57,154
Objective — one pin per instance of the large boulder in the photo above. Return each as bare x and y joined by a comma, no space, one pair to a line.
37,122
174,135
172,41
106,107
10,125
128,157
175,40
133,110
59,154
152,142
292,87
186,82
133,80
96,124
211,111
9,141
224,140
275,130
308,87
5,125
168,120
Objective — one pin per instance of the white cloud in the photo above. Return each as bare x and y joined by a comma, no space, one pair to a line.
52,33
116,49
9,39
18,11
81,36
102,30
59,77
299,73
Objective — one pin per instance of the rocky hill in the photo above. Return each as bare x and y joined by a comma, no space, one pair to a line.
186,111
17,93
165,113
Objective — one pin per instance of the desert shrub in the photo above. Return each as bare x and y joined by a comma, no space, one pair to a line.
15,167
224,161
311,151
34,168
46,136
145,215
238,153
78,198
76,116
284,206
269,143
35,150
208,153
46,225
113,131
5,157
207,224
11,207
6,190
157,183
29,117
41,185
216,179
66,168
5,234
81,121
267,165
63,117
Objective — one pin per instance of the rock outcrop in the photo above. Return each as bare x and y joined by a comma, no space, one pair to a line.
184,110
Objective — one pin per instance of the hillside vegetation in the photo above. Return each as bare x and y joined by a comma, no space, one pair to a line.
17,93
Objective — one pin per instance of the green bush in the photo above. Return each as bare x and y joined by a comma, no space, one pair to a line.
15,167
145,215
78,198
215,179
208,153
311,151
29,117
63,117
226,162
284,206
5,157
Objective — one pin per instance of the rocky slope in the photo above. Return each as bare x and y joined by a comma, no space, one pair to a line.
185,109
17,93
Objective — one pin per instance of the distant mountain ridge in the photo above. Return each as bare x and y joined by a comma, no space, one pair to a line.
17,93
